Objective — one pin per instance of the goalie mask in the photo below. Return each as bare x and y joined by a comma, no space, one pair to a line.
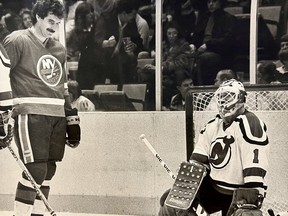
230,97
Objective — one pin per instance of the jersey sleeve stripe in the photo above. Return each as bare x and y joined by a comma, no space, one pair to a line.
254,171
255,185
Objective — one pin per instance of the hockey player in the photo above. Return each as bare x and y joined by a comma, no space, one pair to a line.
41,103
235,147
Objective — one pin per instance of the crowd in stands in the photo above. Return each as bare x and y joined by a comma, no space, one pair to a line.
108,38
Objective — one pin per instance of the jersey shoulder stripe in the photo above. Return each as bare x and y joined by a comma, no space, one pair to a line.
210,122
253,129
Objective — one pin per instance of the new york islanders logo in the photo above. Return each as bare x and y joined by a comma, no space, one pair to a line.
220,151
49,70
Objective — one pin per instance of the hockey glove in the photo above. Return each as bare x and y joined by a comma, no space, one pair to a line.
73,130
246,201
6,129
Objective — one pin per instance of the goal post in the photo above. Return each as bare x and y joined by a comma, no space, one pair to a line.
270,103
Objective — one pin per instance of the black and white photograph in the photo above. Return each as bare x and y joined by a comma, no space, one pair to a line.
143,107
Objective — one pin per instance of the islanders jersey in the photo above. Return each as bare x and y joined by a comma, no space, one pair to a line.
5,88
37,76
237,154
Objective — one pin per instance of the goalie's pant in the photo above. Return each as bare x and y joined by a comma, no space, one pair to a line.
41,142
210,199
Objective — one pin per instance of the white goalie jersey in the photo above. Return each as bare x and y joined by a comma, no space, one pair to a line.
5,88
238,154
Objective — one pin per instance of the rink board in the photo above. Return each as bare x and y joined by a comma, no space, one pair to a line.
112,171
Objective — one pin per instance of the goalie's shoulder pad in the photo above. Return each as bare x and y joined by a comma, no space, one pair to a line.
253,129
211,123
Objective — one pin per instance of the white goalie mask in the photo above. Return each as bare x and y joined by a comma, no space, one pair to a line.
230,97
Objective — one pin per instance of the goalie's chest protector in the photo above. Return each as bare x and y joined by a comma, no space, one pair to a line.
37,75
233,150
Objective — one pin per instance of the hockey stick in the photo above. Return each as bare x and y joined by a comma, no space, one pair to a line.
147,143
143,138
32,181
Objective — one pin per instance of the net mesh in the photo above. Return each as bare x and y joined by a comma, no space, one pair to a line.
271,106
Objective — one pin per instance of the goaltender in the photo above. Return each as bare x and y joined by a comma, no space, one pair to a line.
234,148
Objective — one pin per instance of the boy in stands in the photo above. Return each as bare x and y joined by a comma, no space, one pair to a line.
42,110
234,146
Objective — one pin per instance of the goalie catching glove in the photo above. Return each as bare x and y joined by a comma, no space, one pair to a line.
73,130
6,129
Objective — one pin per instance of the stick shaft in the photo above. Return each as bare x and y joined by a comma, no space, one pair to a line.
150,147
32,181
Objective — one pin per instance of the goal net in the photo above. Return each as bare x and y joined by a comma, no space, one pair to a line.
269,103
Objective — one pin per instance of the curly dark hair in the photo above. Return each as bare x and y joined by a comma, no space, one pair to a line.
43,7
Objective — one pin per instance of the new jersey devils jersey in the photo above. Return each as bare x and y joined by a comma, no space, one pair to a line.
37,76
238,154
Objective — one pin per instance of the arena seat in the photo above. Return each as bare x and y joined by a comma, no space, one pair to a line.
136,93
234,10
115,101
105,87
271,16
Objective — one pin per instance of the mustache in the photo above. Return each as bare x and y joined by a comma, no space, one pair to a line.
50,30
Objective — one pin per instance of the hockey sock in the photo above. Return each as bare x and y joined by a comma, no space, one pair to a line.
39,207
24,199
25,193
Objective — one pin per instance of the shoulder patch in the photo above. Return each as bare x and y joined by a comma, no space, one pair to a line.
253,129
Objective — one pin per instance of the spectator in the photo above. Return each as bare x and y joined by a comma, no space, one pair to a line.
224,75
176,63
84,21
267,73
178,100
213,40
147,10
12,21
78,101
144,31
25,14
105,58
283,57
185,13
70,6
271,100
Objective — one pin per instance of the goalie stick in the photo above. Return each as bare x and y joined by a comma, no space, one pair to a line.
199,210
24,168
147,143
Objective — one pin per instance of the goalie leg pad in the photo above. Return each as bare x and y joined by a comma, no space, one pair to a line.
245,201
186,185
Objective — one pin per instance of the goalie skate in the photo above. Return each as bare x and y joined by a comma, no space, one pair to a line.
186,185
